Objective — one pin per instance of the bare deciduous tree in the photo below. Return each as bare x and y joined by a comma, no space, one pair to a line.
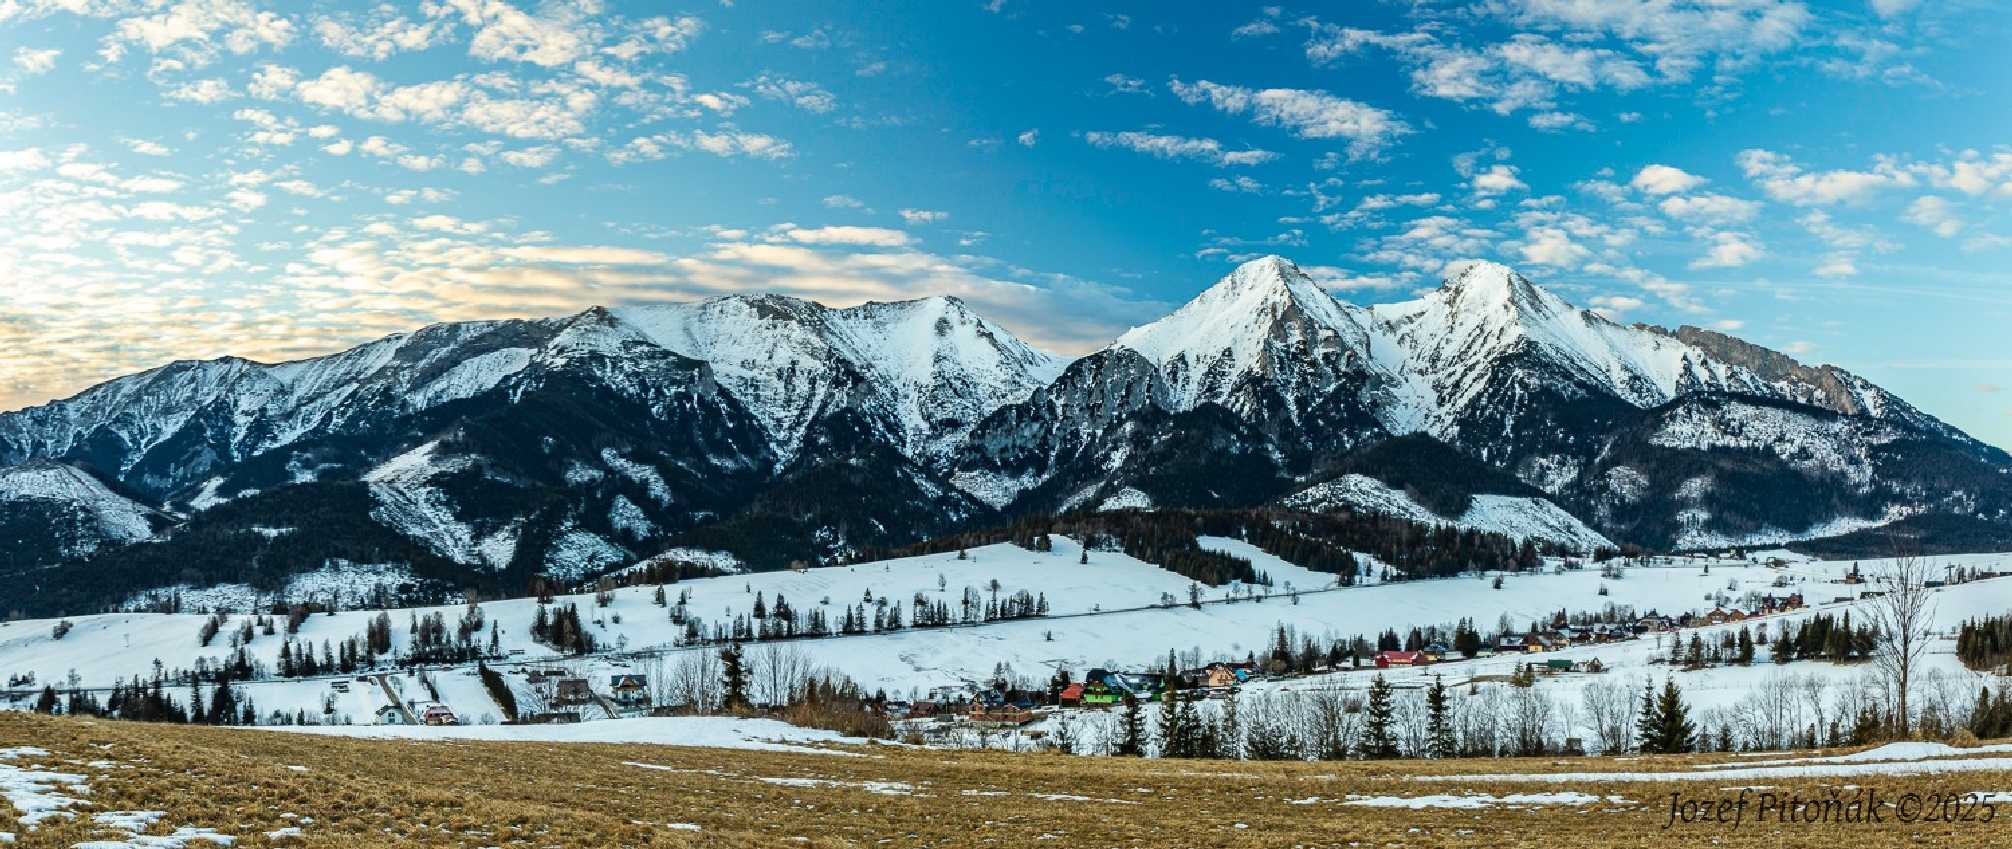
1902,615
776,672
695,681
1610,712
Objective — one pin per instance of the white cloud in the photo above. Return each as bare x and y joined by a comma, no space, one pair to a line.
843,202
148,148
1613,306
1787,182
722,102
1837,265
32,61
1893,8
298,187
1028,138
201,91
924,216
380,37
272,82
1179,147
1121,84
505,33
881,237
585,255
1936,214
1710,208
1241,184
195,28
1498,179
1972,173
1728,250
340,88
1664,180
727,142
530,157
245,200
1255,29
807,96
1556,121
1552,246
1308,114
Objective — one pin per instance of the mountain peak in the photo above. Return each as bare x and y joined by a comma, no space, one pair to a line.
1269,273
1483,281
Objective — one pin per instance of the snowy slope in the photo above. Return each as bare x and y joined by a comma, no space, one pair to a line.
113,517
1519,518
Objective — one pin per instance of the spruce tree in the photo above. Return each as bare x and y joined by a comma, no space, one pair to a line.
1173,733
1378,739
734,675
1229,730
1645,719
1439,720
1674,733
1132,744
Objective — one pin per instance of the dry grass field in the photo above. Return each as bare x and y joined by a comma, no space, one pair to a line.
363,793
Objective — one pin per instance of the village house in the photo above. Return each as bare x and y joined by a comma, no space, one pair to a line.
1071,695
1653,622
630,690
390,715
573,692
438,714
1217,676
1388,659
1098,694
1435,651
993,707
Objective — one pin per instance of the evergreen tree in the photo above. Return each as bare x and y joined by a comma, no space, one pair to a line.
1645,718
1439,720
1133,743
1229,730
1673,732
1379,739
1173,737
733,671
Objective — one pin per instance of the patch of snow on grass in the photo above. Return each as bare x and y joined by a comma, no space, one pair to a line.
1476,801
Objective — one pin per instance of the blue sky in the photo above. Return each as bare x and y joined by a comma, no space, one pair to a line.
195,178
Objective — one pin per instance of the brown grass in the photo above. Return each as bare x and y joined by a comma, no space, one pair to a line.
394,794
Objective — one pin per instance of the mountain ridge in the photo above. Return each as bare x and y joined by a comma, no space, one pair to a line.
562,445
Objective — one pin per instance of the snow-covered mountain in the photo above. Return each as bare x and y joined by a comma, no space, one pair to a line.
780,430
1604,419
50,512
924,371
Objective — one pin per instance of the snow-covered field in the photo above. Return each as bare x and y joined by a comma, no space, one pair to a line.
1106,613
